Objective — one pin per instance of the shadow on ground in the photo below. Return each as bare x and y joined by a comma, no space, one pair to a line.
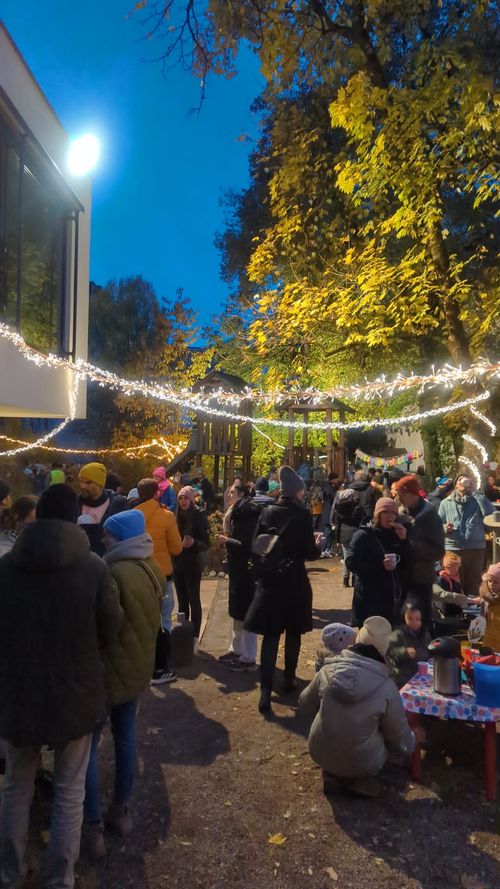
327,616
396,827
165,741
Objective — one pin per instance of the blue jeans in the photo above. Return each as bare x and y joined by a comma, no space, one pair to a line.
123,730
328,532
167,606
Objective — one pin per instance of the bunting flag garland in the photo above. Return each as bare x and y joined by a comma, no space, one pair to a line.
386,463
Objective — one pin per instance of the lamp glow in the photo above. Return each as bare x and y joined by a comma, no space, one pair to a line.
83,155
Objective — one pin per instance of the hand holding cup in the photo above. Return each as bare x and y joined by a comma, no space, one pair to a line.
390,561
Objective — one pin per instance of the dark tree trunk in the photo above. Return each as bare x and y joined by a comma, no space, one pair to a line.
456,338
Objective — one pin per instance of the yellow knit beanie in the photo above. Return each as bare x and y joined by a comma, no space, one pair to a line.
94,472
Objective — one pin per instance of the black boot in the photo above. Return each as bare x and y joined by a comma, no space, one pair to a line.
265,700
331,784
289,683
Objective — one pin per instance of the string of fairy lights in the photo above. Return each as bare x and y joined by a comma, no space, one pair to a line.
41,442
169,450
487,422
222,404
446,377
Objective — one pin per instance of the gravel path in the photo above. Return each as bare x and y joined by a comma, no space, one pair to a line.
217,781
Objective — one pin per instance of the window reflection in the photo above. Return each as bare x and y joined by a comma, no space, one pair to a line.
9,225
41,265
34,218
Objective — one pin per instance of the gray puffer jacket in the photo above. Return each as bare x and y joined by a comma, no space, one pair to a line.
359,717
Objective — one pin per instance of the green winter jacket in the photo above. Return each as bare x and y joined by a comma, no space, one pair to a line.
129,660
403,667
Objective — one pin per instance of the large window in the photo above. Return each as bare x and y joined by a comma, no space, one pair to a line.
36,224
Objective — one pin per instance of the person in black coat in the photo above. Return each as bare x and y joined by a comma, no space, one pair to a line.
427,537
283,601
379,556
58,607
346,517
193,528
240,522
367,493
329,496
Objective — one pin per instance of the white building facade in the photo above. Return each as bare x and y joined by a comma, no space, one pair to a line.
44,246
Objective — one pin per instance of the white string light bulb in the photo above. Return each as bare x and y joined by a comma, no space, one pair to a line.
447,377
40,442
479,416
479,447
204,403
473,468
170,450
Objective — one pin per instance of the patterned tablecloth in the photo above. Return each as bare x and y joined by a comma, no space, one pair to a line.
419,697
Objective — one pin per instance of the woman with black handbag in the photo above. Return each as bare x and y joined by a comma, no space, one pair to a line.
193,528
283,599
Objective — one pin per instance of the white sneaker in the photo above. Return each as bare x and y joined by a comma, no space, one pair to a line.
164,678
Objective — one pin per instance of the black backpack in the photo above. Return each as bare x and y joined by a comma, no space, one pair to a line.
268,553
347,509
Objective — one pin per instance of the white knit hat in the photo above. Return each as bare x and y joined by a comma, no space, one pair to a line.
376,631
336,637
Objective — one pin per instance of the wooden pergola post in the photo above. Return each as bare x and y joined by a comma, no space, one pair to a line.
340,467
330,460
305,439
291,438
232,443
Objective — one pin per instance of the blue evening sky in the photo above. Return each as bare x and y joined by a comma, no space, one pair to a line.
163,170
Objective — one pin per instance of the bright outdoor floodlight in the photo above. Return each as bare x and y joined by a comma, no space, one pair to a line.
83,155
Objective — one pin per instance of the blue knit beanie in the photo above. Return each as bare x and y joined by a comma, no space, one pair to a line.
125,525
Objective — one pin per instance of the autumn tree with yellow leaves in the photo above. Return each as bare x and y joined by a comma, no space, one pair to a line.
382,149
372,239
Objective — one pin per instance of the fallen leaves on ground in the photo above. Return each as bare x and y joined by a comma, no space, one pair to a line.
332,874
277,839
471,882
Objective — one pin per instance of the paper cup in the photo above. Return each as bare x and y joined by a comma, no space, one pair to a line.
423,668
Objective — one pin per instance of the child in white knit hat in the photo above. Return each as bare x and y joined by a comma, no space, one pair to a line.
335,637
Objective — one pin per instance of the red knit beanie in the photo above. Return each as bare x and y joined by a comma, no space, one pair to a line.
409,484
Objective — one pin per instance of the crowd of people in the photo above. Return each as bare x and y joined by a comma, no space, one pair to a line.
87,587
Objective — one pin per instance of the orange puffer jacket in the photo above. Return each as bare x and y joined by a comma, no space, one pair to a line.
161,524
